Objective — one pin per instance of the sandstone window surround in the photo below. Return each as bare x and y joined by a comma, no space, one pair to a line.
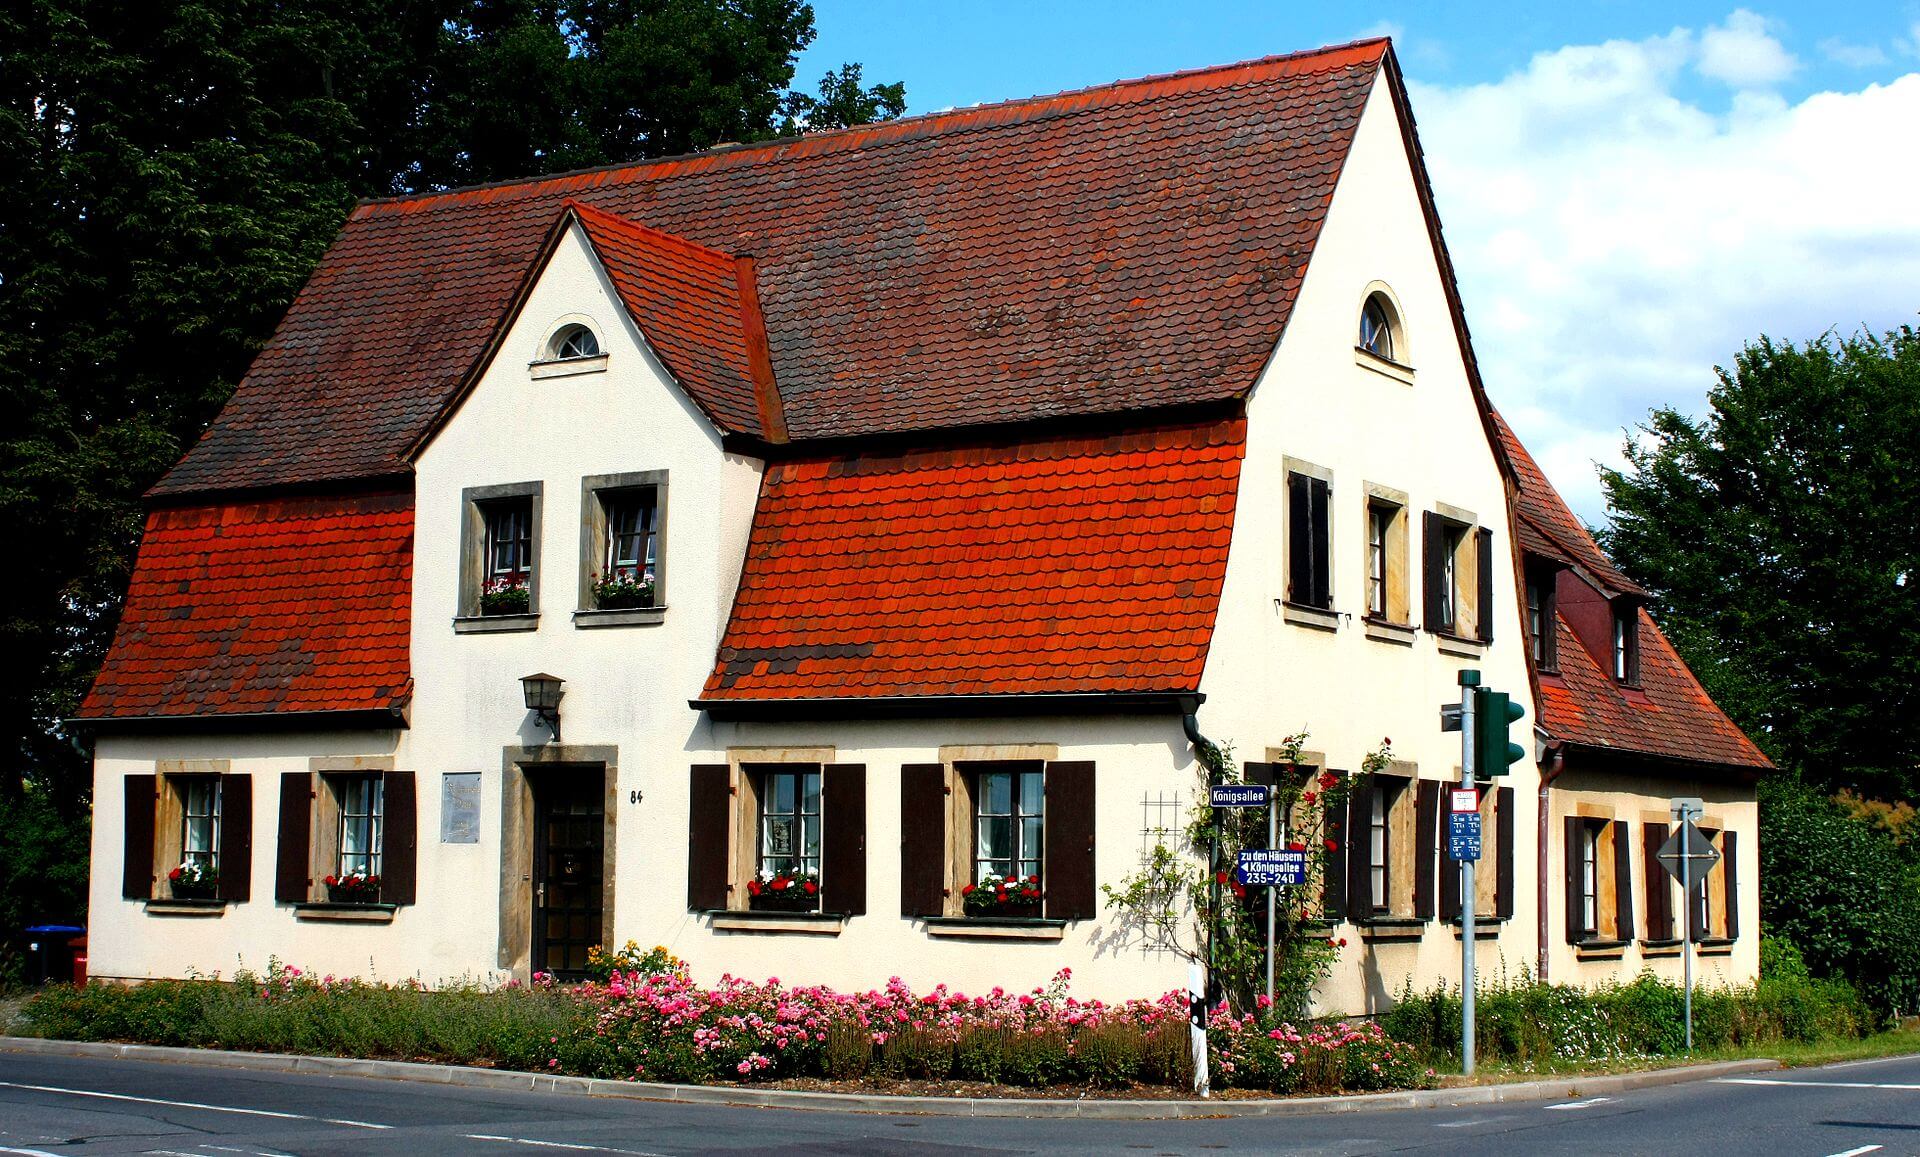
1380,343
623,533
1457,557
730,806
1388,604
500,535
1597,859
188,810
1309,572
352,814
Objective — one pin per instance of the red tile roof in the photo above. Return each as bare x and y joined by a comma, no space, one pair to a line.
297,604
1670,715
697,308
1125,247
1051,566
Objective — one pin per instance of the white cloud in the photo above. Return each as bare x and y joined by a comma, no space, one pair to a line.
1615,240
1743,54
1852,55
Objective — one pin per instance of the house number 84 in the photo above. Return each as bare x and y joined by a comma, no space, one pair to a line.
633,796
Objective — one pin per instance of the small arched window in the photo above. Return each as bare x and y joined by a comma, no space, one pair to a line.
1377,328
573,341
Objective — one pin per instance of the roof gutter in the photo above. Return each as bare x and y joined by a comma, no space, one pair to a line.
365,719
950,706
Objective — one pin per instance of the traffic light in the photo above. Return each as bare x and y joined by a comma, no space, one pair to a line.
1493,752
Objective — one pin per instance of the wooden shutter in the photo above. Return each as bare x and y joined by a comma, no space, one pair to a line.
1573,828
1333,885
1659,887
399,839
1503,804
1359,844
1730,861
923,839
136,866
1623,880
1449,890
236,837
1426,834
1432,546
709,818
294,851
843,844
1483,548
1299,539
1321,539
1070,882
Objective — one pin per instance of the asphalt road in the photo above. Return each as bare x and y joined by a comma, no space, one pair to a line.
62,1105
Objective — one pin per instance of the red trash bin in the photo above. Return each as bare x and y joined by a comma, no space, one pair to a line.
80,960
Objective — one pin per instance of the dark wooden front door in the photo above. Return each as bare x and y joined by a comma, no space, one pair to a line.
568,837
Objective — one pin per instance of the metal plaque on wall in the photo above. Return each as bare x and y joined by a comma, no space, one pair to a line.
460,807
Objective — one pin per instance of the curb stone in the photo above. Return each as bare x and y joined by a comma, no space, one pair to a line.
1110,1110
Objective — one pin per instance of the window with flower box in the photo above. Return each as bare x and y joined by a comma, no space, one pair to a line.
787,875
348,835
968,827
1009,838
622,549
777,836
188,833
500,558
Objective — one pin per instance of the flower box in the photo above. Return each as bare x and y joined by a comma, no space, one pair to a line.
193,880
506,595
623,590
206,891
787,891
1003,898
353,888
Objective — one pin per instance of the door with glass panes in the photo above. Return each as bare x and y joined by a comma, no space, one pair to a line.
569,864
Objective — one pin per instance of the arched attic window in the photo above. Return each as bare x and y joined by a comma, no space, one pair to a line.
1380,329
571,342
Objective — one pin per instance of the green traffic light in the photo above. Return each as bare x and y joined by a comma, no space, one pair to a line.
1493,752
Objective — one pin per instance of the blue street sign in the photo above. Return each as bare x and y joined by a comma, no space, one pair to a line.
1238,795
1266,868
1463,836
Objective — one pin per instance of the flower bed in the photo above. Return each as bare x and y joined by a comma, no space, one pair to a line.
662,1026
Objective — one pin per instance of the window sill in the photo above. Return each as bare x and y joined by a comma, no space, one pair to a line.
186,907
1656,949
568,367
1716,947
1402,634
995,928
1367,360
1484,928
1304,616
805,923
1600,950
625,617
1458,645
1388,929
494,624
350,913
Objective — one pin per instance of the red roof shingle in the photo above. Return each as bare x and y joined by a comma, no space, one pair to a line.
1126,247
1050,566
1548,527
296,604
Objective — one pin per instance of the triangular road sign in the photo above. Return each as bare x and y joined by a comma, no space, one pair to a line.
1699,849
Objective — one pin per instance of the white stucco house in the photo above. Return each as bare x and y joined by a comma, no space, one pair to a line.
890,506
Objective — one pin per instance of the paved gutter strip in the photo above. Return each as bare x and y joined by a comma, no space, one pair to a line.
1565,1088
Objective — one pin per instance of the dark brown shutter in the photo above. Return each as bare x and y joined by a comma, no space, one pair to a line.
1426,830
1299,539
1484,581
709,816
1503,803
843,845
1322,542
295,848
399,839
1333,885
1449,888
1573,828
236,837
1359,845
1659,886
1623,880
136,865
1070,886
1729,849
923,839
1432,543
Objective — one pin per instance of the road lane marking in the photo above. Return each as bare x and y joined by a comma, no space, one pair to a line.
1816,1084
1859,1151
27,1152
539,1144
193,1105
1588,1103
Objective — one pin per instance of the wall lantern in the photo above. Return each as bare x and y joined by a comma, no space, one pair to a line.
543,694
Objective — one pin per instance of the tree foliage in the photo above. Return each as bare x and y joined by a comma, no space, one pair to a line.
175,168
1781,535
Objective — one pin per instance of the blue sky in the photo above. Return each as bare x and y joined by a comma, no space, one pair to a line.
1630,189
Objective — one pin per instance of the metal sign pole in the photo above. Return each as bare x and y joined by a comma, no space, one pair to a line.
1273,841
1686,893
1469,680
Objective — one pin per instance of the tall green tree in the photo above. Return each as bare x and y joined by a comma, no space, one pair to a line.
171,171
1781,534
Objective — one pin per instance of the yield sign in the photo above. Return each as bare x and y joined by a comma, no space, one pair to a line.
1697,848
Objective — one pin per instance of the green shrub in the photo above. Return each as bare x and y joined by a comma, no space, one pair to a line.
849,1051
1109,1055
1036,1057
1166,1057
980,1053
917,1052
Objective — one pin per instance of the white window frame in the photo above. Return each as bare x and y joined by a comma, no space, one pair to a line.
1028,853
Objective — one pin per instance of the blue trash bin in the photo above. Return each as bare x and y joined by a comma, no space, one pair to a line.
49,952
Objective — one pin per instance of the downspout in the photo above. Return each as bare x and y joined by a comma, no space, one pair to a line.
1556,763
1209,755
